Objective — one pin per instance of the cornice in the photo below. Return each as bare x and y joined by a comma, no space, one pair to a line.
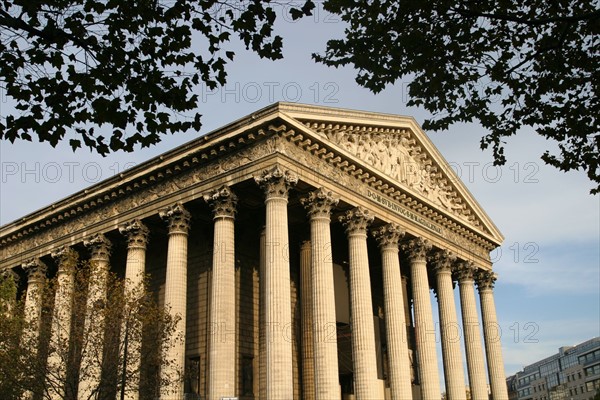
147,174
303,137
284,119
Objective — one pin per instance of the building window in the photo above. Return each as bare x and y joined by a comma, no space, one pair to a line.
592,386
593,370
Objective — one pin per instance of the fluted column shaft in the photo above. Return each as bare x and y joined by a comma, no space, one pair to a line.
278,318
36,276
178,220
92,354
450,330
319,204
361,307
61,322
491,333
262,329
473,349
308,360
222,339
395,323
135,268
424,329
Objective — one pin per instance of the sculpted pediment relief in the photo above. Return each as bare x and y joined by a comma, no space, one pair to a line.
397,153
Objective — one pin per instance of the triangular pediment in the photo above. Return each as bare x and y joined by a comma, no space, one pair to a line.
397,148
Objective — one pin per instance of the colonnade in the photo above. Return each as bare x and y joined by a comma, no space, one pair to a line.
320,377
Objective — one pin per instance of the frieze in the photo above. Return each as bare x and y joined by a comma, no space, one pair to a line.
324,168
406,213
354,184
144,196
157,190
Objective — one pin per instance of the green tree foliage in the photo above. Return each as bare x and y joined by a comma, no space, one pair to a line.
11,366
506,64
73,66
76,66
136,335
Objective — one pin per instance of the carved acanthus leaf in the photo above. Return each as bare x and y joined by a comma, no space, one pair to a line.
417,249
320,202
66,258
357,220
36,269
442,261
177,218
485,279
276,182
222,201
99,246
389,235
136,233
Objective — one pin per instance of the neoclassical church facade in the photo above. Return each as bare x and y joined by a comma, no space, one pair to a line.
299,245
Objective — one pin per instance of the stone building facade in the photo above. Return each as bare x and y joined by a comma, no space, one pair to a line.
299,246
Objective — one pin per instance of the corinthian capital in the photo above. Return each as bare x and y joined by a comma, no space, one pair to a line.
136,233
36,269
66,258
417,249
388,236
177,218
319,203
485,279
99,246
276,182
357,220
222,201
442,261
465,271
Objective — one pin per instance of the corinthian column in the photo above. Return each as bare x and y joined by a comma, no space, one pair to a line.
491,334
308,358
262,331
361,307
36,276
453,367
135,268
400,385
473,349
66,258
319,204
424,331
93,336
278,319
222,341
137,238
178,221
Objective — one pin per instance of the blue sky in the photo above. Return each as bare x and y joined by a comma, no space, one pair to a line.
548,292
